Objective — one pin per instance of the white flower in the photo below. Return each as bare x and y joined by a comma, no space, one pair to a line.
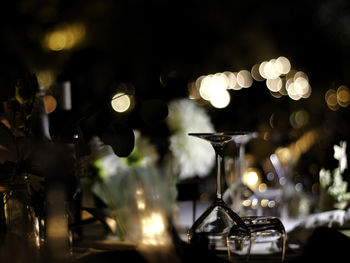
104,158
108,163
186,116
144,153
340,155
191,156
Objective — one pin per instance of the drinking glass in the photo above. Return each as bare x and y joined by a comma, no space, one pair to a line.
237,191
267,236
212,228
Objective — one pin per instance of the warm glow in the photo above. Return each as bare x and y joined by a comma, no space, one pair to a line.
153,230
246,202
214,89
244,79
251,178
120,102
205,86
262,69
141,205
299,118
255,73
270,70
46,78
231,80
262,187
264,202
220,98
50,103
284,155
331,99
274,85
290,154
64,37
282,65
193,91
343,96
292,92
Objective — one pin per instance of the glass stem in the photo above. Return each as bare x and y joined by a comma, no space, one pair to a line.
220,167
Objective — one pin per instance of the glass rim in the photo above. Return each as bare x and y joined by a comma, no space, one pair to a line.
221,133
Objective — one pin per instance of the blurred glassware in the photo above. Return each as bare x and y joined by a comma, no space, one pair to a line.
19,226
211,229
268,236
237,165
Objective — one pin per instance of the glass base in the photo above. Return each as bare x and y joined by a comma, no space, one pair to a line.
213,226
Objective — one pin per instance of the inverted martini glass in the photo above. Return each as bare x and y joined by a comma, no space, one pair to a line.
212,228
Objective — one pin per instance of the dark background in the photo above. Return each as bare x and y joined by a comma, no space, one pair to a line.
160,46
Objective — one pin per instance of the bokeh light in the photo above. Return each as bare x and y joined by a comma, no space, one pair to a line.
50,103
282,65
64,37
331,99
255,73
343,96
281,80
252,178
120,102
244,79
274,85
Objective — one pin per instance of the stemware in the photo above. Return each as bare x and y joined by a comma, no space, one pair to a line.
237,165
268,235
212,227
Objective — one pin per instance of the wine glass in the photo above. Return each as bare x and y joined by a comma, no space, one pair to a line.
211,229
268,235
237,165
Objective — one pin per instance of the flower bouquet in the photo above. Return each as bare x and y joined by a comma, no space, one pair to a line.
334,193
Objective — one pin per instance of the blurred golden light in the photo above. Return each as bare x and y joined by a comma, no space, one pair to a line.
299,118
252,178
264,202
204,89
343,96
283,90
300,74
246,202
270,70
301,85
219,98
214,89
331,98
262,69
291,74
50,103
262,187
292,92
282,65
255,73
193,91
120,102
46,78
219,80
199,81
64,37
274,85
244,79
153,230
141,205
284,155
307,94
231,80
276,95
